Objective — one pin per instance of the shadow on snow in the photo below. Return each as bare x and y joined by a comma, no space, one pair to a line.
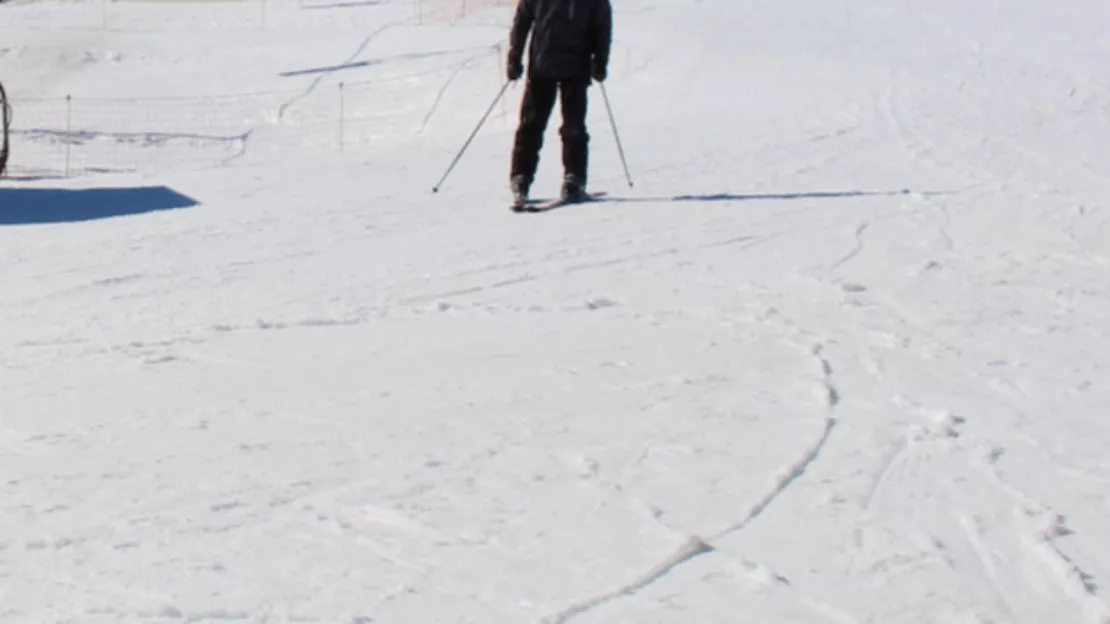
784,196
735,197
739,197
411,56
344,5
28,206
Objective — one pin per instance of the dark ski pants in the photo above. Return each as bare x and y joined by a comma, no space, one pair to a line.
535,110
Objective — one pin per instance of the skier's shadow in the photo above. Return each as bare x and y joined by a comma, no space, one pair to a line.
739,197
29,206
742,197
345,5
787,196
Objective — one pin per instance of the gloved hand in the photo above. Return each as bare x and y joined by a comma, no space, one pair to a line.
515,68
598,71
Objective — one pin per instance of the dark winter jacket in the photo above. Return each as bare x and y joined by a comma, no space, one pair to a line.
569,37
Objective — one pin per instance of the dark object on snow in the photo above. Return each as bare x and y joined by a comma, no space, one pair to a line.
570,38
535,110
570,43
40,206
6,114
544,206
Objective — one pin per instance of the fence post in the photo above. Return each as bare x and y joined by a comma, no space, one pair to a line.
69,131
342,114
262,23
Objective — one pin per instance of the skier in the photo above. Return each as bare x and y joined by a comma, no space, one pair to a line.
5,123
569,46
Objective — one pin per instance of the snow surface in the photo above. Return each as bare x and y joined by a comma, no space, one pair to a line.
839,356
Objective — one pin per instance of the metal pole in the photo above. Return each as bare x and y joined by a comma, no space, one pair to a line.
613,123
435,189
341,116
69,131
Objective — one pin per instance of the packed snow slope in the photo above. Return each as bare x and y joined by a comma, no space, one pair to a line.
838,357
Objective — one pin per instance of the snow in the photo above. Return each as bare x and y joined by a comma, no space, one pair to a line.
837,357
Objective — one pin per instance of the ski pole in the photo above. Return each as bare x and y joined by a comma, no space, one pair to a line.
435,189
617,136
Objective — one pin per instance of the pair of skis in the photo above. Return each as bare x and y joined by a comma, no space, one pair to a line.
534,206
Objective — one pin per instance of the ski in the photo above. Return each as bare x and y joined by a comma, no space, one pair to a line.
522,205
556,203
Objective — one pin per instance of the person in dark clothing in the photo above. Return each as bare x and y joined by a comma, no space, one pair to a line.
5,122
569,47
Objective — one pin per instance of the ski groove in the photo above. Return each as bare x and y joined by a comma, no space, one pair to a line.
512,281
246,136
696,546
316,81
692,548
860,229
832,394
946,222
446,84
1068,570
792,473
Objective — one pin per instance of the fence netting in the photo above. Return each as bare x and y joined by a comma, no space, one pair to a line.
80,134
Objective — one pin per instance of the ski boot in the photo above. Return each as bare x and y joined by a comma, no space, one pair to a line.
520,193
574,189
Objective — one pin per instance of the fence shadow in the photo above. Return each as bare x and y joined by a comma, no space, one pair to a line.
31,206
410,56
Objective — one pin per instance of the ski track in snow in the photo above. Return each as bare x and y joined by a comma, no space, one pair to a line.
362,47
447,84
794,471
350,59
695,546
860,229
689,550
240,412
1037,526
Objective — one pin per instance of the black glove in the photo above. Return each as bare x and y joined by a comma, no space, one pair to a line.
598,71
516,68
